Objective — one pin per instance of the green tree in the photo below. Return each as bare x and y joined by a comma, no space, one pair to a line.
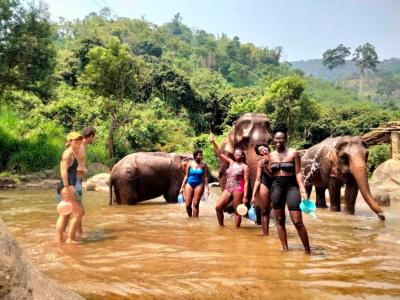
365,57
27,54
73,66
114,74
389,84
334,58
285,101
212,98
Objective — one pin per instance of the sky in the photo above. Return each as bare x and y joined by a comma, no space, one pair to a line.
304,28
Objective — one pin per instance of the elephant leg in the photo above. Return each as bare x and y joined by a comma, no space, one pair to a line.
128,192
350,196
116,195
308,189
320,202
334,194
172,194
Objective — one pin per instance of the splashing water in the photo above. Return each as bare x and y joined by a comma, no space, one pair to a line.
330,144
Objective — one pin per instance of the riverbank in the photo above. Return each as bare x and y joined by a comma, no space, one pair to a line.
48,179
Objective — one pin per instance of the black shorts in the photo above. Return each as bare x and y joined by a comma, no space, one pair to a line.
284,190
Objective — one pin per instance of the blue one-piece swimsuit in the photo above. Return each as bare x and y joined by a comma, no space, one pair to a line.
195,176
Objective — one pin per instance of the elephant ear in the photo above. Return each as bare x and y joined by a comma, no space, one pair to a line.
333,162
185,162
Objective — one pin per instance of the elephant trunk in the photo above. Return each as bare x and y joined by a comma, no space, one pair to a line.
252,160
358,169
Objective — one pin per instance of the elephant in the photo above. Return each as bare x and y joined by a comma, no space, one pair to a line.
246,132
145,175
333,163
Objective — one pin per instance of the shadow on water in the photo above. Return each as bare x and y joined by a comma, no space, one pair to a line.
152,250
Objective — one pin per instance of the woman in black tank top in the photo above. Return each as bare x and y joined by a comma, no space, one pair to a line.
66,189
287,187
72,175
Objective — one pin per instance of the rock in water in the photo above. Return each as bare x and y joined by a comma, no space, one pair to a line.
19,279
98,183
385,181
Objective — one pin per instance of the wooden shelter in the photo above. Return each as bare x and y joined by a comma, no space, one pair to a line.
387,133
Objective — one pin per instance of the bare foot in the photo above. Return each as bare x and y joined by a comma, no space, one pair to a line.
82,235
75,242
285,250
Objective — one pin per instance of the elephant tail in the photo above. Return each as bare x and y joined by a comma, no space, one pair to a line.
111,192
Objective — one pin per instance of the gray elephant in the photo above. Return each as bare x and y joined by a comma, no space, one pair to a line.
333,163
247,131
146,175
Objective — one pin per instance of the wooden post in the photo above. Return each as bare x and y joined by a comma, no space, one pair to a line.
395,145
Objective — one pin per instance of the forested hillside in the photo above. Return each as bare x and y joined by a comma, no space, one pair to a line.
149,88
381,86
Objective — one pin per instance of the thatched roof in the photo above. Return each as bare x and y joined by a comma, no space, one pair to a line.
381,135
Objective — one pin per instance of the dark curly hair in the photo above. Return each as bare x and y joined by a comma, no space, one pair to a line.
197,151
259,145
280,127
88,131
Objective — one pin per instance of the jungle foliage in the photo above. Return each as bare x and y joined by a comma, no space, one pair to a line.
146,87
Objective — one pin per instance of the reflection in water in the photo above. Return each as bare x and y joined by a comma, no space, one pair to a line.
152,251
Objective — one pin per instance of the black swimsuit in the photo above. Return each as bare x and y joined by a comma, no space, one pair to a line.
266,179
285,189
72,175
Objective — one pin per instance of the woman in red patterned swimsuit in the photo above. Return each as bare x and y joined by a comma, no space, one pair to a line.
237,178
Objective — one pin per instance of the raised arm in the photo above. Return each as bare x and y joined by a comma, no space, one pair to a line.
299,175
205,178
218,151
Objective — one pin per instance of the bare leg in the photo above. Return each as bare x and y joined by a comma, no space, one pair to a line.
265,206
80,227
73,227
237,199
76,215
198,192
297,220
280,226
188,199
61,226
222,201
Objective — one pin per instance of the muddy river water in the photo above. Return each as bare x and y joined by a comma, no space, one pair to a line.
153,251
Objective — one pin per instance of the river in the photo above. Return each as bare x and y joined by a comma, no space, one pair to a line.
153,251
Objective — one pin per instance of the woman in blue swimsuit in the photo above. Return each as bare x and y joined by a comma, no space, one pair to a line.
196,181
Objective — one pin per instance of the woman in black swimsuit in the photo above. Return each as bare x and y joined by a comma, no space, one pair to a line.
66,188
262,186
285,165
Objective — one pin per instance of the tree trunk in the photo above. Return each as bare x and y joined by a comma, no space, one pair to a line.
361,84
110,136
